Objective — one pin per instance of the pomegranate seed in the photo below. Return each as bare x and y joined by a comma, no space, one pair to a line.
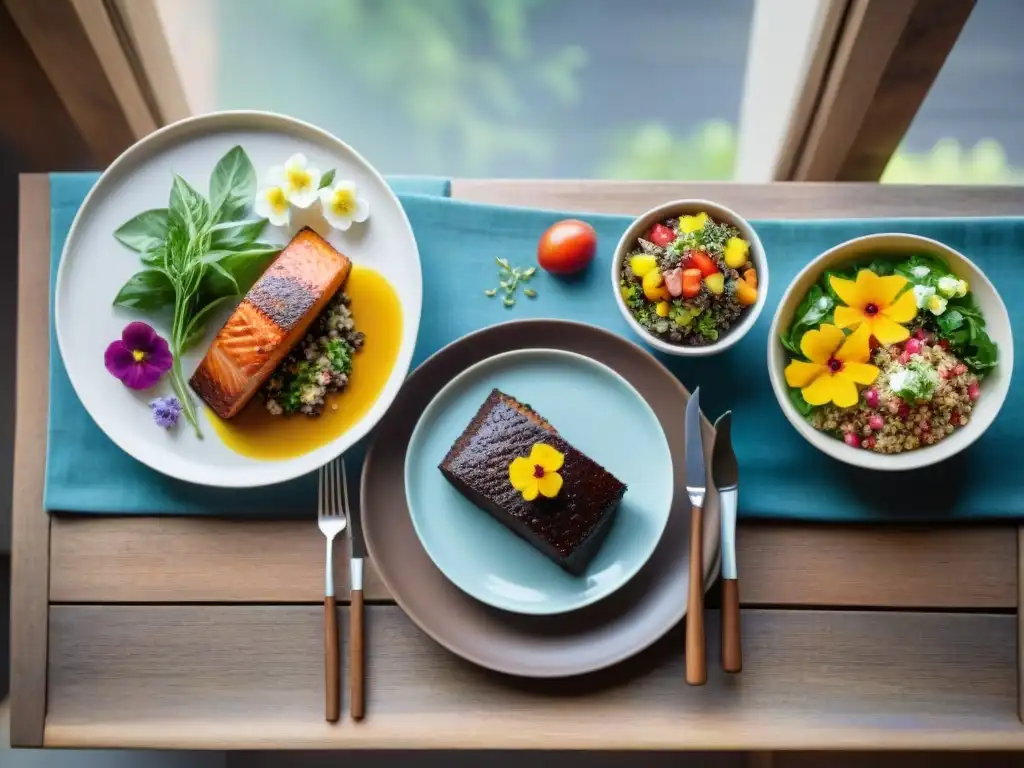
973,390
912,347
946,373
876,422
904,411
919,334
851,440
868,443
944,343
871,397
959,369
954,418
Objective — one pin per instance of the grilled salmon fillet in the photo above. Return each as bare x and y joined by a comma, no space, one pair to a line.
271,319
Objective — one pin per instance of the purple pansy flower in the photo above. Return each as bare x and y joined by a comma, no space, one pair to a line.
140,358
166,411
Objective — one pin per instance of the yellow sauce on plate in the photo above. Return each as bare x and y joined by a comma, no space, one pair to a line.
378,314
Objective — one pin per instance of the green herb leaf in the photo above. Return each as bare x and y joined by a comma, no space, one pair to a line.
327,179
982,355
154,257
147,291
815,309
146,232
244,266
232,185
799,403
189,207
949,321
197,327
503,263
508,301
489,292
530,293
915,383
233,235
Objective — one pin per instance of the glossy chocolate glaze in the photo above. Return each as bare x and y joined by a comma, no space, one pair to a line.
568,528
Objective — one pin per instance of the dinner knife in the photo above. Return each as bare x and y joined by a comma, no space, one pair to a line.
357,544
696,488
726,474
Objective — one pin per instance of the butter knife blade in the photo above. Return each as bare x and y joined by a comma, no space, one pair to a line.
696,481
726,475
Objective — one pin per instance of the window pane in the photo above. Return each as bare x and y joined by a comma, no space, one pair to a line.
968,129
513,88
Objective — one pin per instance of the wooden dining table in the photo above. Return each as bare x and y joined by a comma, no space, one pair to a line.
208,633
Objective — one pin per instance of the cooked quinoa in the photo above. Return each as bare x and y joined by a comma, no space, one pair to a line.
884,422
688,318
318,365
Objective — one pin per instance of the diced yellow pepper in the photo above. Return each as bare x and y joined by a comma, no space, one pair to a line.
746,294
689,224
663,308
715,283
736,252
654,286
642,263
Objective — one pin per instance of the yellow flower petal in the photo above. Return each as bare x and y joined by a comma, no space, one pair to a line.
530,491
885,289
847,317
819,391
547,457
848,291
888,331
520,473
861,373
819,345
844,391
904,310
800,374
856,348
550,484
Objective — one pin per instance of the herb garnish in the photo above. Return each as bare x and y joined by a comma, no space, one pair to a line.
509,278
199,253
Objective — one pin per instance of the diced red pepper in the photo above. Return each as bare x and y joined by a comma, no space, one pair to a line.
703,262
661,235
674,281
691,282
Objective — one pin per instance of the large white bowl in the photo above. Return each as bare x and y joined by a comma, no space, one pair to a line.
719,213
994,387
94,266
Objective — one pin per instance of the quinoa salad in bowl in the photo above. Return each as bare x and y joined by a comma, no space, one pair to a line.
888,356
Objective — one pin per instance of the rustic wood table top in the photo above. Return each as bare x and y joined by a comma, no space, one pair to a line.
201,633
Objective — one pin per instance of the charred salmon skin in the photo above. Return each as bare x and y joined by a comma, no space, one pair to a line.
271,319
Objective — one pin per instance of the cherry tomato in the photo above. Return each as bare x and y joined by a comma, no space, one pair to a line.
661,235
567,247
703,262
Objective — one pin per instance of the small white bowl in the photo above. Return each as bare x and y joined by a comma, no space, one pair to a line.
997,323
719,213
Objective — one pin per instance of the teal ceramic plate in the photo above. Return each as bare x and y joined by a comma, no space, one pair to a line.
593,408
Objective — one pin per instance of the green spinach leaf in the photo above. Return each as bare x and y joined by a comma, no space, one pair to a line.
233,235
327,179
816,308
799,403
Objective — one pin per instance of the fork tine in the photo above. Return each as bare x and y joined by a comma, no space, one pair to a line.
344,489
320,492
332,482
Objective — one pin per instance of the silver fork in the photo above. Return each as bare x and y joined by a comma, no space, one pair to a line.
332,517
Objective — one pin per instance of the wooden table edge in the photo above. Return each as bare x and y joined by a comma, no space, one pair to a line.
30,539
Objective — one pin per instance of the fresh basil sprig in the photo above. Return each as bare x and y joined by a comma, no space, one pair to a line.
199,254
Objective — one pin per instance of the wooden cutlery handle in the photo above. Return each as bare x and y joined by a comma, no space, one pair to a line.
732,656
696,661
331,659
355,640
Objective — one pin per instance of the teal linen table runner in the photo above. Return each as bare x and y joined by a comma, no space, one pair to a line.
781,475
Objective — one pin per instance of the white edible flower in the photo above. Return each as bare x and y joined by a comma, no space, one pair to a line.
272,204
342,205
947,286
919,271
298,179
936,305
922,293
961,288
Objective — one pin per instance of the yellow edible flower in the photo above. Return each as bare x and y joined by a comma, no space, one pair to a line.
838,363
538,474
736,252
872,308
689,224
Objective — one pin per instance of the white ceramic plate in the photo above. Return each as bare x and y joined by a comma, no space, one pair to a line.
94,266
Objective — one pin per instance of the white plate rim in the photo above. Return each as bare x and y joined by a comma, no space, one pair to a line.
268,472
498,359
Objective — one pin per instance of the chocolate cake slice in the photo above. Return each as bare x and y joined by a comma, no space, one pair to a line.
569,528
